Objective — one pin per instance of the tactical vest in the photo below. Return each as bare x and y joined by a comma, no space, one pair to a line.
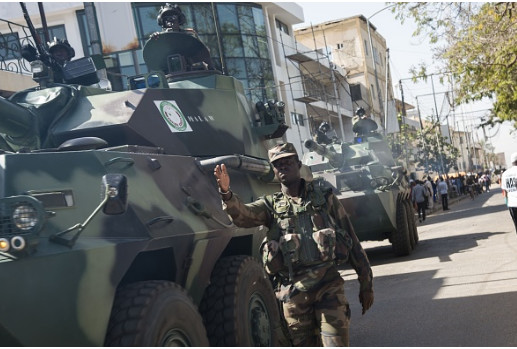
302,235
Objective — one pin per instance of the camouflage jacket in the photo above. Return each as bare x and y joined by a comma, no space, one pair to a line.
260,212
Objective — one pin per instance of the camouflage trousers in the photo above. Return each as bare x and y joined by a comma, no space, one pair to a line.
320,316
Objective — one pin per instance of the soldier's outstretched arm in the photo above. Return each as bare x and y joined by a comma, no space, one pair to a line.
243,215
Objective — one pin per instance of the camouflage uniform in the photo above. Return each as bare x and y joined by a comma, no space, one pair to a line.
301,252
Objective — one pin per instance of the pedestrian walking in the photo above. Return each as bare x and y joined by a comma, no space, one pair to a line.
509,187
429,186
419,198
443,191
308,231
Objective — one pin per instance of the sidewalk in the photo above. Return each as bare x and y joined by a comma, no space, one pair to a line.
438,204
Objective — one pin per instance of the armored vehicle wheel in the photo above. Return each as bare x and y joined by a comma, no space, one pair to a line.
411,223
400,238
239,307
155,313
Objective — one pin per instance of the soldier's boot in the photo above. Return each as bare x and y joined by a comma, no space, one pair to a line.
336,341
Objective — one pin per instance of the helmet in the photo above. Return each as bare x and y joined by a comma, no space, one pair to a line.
168,16
360,111
324,127
54,44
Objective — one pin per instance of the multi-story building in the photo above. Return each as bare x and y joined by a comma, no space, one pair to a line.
253,42
362,53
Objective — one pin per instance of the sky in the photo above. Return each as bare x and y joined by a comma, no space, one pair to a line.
406,51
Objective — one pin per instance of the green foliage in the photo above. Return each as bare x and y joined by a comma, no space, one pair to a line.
435,153
477,44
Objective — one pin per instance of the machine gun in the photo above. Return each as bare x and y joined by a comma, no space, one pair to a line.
41,53
335,159
80,71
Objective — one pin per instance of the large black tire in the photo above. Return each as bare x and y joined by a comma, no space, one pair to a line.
239,307
400,239
416,238
411,223
155,313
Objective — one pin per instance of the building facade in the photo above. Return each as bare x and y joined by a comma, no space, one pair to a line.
348,43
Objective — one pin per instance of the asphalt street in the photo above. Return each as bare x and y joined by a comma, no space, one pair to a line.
457,288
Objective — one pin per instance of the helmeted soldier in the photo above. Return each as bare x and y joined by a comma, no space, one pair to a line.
61,50
309,234
61,53
362,124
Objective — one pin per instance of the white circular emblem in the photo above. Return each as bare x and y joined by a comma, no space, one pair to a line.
173,116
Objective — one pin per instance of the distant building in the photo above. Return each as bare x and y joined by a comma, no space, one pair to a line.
348,43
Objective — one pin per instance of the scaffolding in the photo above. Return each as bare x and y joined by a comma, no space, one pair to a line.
316,74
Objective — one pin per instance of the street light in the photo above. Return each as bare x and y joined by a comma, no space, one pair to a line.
379,94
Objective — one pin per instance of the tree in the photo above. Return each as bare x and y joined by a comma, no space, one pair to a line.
477,44
435,153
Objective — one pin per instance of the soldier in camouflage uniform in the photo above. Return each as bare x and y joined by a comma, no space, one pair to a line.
309,233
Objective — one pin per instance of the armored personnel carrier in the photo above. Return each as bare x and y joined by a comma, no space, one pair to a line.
374,191
112,229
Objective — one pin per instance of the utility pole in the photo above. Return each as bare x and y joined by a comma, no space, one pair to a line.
426,154
337,101
403,121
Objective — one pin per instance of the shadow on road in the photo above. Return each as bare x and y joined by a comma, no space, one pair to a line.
442,248
425,308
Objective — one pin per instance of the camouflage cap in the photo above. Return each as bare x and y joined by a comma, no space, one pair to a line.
282,151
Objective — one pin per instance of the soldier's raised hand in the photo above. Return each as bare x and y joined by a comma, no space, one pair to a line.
223,179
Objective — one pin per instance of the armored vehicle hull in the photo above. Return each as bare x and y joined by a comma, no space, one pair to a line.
112,229
373,191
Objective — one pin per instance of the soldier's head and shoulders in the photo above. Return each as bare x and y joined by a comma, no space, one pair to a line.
290,171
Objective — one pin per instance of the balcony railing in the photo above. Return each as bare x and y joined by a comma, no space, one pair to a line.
13,37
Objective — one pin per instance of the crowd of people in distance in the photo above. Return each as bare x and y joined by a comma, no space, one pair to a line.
426,192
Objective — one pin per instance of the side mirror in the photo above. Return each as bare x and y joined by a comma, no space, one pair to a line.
114,191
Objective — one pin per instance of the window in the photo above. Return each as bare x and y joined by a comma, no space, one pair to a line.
57,31
375,55
372,91
297,119
339,46
228,19
9,46
355,92
366,48
282,27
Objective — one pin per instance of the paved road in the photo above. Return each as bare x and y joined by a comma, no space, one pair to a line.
458,288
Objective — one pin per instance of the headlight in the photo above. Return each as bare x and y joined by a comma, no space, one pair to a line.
25,217
4,245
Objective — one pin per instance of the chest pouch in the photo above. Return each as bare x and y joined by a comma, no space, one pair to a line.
272,258
326,241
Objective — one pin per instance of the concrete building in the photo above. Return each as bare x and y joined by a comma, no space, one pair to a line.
347,41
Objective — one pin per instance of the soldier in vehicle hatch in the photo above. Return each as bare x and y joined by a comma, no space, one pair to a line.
309,234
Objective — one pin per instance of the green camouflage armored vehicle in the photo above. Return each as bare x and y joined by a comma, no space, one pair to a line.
112,230
374,191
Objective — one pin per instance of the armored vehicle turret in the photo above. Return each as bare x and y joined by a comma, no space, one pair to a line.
374,191
112,229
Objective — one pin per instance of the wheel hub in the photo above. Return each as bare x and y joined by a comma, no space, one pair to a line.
259,321
176,338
